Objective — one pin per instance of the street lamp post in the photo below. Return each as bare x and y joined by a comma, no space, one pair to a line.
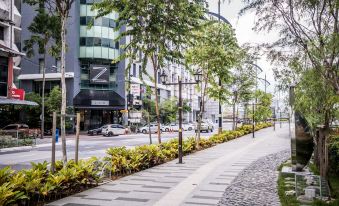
197,77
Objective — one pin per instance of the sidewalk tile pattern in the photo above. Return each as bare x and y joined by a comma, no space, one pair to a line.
201,180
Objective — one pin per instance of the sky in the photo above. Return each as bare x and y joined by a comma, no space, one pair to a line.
243,28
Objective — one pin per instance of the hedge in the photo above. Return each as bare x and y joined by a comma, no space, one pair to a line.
38,185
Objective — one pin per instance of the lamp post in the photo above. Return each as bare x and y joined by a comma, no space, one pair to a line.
197,77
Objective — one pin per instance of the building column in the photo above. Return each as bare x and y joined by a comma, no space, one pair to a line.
10,77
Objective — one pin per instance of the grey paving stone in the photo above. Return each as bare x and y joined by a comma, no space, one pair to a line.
76,204
99,199
114,191
132,199
205,197
198,203
157,187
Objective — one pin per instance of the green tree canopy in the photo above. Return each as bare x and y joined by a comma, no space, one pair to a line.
263,108
158,29
53,102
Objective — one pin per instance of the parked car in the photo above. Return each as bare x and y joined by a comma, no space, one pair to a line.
166,128
113,129
206,125
20,131
188,126
153,128
96,131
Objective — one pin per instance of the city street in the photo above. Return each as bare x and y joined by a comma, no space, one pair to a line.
89,146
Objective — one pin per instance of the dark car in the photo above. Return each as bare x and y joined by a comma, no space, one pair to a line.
96,131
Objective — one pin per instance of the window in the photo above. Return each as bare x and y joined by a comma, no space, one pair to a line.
98,22
58,65
96,42
83,20
140,69
89,41
117,45
159,79
111,23
105,22
105,42
3,76
2,35
89,19
82,41
41,65
134,70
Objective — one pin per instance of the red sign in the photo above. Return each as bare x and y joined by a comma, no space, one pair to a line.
18,94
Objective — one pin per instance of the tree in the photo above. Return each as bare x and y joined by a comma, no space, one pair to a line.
263,108
61,8
169,110
156,28
215,51
305,26
242,83
44,28
53,103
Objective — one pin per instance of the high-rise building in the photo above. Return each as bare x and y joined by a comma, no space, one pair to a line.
95,85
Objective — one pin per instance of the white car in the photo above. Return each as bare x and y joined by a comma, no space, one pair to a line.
175,127
166,128
206,125
153,128
187,126
113,129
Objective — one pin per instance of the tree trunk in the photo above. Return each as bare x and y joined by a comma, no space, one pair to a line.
237,115
63,88
155,75
233,125
43,93
202,109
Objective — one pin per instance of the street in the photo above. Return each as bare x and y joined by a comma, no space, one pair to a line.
89,146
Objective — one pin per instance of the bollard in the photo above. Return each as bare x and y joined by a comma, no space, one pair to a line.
56,135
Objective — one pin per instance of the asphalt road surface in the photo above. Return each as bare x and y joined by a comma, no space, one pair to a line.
89,146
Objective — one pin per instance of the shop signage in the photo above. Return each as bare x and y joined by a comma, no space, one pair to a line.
99,103
124,111
99,74
18,94
135,89
137,102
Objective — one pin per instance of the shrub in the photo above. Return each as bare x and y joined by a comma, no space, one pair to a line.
38,184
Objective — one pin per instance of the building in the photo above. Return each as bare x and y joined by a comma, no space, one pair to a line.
95,86
174,72
10,55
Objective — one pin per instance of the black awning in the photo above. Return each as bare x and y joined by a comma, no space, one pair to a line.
98,99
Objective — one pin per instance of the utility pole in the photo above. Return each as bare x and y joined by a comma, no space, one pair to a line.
163,77
180,121
253,124
220,112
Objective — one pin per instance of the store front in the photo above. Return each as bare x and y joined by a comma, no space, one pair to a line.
98,108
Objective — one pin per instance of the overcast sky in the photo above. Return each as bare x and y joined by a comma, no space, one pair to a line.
243,27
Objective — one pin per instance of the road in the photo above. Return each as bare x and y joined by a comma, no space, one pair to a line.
89,146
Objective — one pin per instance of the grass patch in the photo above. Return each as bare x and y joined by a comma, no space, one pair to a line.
284,199
334,185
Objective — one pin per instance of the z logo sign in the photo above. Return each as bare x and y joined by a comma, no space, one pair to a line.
99,75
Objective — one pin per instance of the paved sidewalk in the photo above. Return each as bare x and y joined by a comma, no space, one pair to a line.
202,180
